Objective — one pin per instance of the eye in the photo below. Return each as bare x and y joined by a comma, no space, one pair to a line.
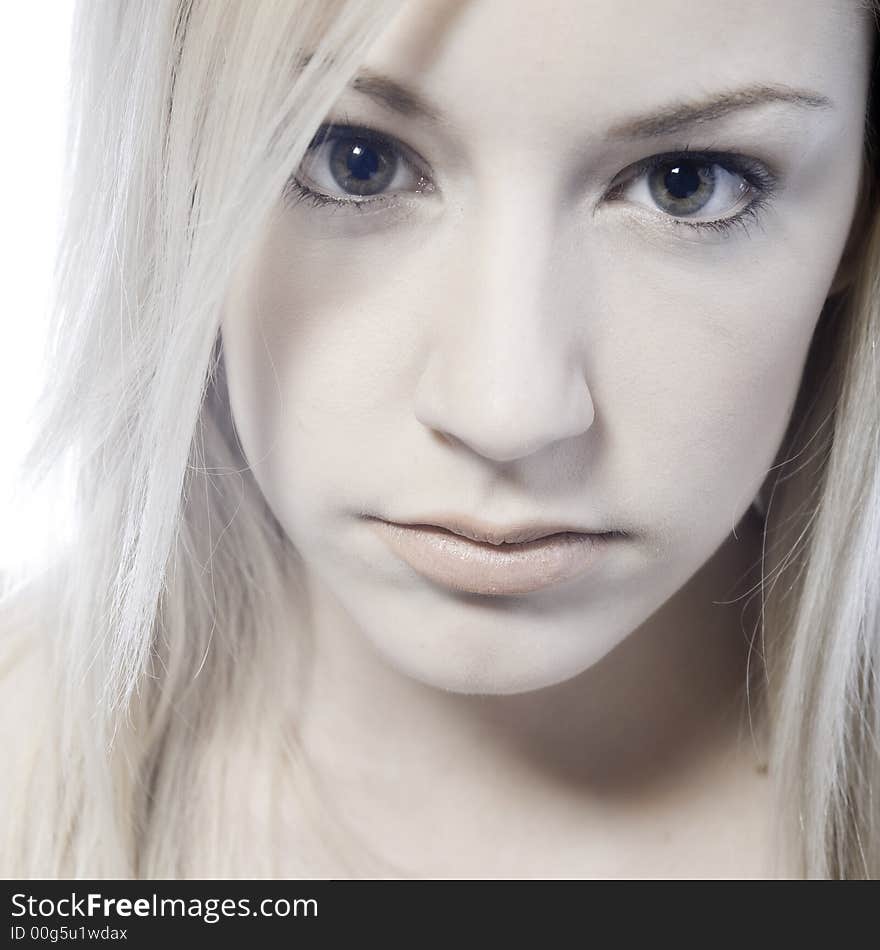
352,167
355,166
714,190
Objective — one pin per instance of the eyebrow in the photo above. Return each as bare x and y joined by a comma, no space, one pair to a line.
395,96
664,120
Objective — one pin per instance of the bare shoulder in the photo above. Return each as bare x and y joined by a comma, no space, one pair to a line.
24,637
23,681
25,709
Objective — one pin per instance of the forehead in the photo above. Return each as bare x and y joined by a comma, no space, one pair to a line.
594,60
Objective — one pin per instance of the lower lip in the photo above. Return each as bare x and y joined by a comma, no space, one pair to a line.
479,568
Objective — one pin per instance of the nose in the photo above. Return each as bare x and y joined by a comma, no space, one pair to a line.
503,376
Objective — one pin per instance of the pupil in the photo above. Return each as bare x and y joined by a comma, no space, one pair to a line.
682,181
362,162
361,168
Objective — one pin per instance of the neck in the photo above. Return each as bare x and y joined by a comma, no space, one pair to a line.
658,709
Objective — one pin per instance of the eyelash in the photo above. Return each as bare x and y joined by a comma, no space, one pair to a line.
761,180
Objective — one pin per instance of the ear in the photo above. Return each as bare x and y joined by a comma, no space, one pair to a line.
865,208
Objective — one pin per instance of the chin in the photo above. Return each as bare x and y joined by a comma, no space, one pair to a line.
486,682
471,666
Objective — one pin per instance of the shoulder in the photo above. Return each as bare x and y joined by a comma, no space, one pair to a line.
23,700
24,639
25,713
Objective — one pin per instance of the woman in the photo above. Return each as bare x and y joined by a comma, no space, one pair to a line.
475,429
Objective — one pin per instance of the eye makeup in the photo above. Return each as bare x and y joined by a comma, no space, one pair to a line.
369,150
758,184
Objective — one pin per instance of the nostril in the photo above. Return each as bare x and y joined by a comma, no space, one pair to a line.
443,437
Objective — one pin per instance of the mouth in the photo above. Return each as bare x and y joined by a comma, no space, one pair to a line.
483,562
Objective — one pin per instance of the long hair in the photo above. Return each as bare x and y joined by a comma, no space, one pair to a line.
150,675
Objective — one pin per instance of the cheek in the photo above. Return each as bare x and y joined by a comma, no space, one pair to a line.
699,379
693,370
318,361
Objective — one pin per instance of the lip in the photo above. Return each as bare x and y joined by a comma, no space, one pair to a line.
489,534
492,567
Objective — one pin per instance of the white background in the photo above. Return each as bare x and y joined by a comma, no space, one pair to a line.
34,43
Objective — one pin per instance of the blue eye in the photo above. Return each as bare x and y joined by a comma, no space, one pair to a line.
700,185
362,168
354,166
350,167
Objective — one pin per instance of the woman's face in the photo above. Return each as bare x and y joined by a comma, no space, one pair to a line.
494,311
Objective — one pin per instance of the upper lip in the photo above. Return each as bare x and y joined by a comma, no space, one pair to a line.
491,534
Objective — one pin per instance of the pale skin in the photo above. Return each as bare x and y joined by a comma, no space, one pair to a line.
510,343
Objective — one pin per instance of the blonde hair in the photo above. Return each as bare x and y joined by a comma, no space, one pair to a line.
157,635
